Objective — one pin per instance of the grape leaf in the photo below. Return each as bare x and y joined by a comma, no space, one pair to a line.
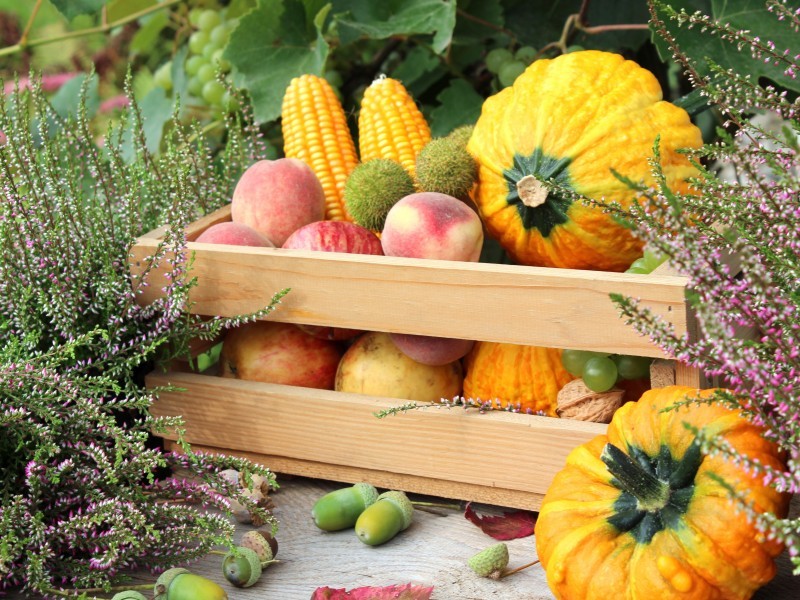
380,20
459,104
119,9
392,592
66,100
508,526
274,42
739,14
72,8
146,37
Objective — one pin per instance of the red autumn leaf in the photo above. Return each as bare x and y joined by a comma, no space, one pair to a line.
508,526
392,592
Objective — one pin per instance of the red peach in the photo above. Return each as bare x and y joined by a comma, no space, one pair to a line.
432,225
234,234
431,350
335,236
276,197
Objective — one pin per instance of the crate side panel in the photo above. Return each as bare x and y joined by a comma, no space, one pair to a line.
502,450
502,303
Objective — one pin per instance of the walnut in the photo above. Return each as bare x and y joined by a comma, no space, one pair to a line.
578,402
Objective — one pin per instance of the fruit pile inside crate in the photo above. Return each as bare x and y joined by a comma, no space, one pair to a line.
387,252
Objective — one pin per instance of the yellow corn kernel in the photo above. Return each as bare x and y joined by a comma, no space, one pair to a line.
390,125
315,131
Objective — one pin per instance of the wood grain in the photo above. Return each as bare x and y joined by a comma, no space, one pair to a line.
498,457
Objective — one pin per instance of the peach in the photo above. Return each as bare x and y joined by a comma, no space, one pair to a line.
432,225
272,352
431,350
277,197
335,236
235,234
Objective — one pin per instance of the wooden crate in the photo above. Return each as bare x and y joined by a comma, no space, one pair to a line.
497,457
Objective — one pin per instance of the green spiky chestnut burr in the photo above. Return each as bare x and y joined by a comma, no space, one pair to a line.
341,508
241,567
445,166
391,513
179,584
372,188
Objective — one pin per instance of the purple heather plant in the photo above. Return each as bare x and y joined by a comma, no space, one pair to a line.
85,497
736,240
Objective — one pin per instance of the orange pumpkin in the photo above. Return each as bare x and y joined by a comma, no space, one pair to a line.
528,376
640,513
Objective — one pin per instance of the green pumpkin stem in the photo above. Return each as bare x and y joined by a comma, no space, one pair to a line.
650,492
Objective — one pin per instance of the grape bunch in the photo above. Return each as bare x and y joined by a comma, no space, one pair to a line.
205,45
647,263
508,65
600,371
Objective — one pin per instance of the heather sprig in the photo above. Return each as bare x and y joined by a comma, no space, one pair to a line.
734,237
85,497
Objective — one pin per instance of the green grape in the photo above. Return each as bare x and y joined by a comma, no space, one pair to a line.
219,35
194,16
228,102
639,266
216,59
526,54
632,367
193,64
212,92
600,374
207,73
509,72
209,49
195,86
163,76
208,20
496,58
198,41
574,360
653,259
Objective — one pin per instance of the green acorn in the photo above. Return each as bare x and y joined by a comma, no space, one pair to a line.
372,188
341,508
490,562
445,166
179,584
129,595
391,513
241,567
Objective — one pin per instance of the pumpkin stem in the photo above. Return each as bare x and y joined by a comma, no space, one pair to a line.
531,191
650,492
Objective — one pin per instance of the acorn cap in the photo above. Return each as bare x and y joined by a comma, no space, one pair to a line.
490,562
401,501
165,580
368,492
242,567
262,543
372,188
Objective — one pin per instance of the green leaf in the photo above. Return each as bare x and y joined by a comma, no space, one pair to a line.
739,14
146,37
65,101
156,109
381,20
119,9
459,104
72,8
419,70
276,41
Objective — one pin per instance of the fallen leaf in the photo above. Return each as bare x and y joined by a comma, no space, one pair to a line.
392,592
508,526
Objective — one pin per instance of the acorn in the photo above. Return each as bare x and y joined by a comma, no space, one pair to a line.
444,165
241,567
262,543
341,508
129,595
391,513
490,562
179,584
372,188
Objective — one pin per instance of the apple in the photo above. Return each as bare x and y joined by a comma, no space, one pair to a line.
335,236
236,234
431,350
432,225
276,197
273,352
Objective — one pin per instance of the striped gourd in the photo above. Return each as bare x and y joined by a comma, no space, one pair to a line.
390,125
315,131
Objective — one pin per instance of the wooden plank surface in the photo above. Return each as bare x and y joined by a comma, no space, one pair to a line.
497,451
562,308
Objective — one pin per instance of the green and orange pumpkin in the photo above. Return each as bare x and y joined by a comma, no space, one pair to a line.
574,120
641,513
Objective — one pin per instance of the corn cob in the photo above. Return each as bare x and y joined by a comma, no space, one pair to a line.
390,125
315,131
